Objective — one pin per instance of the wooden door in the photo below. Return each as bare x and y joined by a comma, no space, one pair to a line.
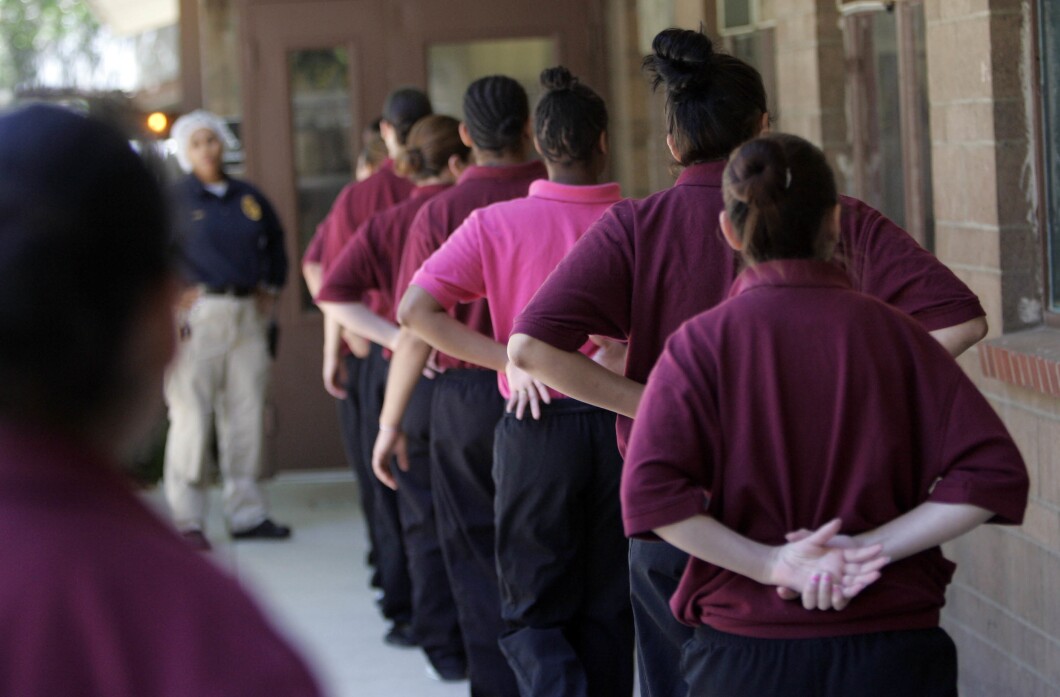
295,54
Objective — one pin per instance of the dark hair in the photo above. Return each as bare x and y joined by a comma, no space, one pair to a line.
778,189
84,236
569,118
403,108
496,110
432,141
714,101
373,150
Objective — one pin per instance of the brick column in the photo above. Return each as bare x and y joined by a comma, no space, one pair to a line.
1002,608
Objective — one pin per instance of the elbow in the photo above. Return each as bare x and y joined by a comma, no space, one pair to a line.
522,351
416,308
977,330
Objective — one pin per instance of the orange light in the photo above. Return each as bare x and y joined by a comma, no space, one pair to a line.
158,122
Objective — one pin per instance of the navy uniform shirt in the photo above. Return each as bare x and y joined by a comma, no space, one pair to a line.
230,241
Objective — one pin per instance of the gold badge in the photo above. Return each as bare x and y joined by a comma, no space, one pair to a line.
251,208
197,215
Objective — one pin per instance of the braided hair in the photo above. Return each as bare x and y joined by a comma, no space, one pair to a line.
496,110
569,118
714,101
403,108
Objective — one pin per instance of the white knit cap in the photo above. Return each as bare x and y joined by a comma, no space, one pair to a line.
186,125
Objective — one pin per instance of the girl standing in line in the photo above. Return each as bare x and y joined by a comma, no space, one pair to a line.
465,406
433,158
561,557
649,265
796,402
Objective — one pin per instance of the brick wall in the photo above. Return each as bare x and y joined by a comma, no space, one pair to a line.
1000,612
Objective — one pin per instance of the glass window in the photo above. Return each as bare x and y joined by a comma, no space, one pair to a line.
321,120
1049,23
735,14
452,67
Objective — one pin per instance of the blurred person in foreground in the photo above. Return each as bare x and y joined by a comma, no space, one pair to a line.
233,260
98,597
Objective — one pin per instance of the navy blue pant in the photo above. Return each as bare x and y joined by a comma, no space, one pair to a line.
464,412
350,430
655,568
562,556
919,662
390,547
434,618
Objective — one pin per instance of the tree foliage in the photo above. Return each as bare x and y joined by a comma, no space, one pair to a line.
63,32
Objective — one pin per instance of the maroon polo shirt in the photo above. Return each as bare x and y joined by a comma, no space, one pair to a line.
371,259
438,218
648,265
797,401
99,598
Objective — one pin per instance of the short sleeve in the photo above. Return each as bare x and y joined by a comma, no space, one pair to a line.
454,273
669,463
590,291
354,271
419,246
981,465
885,262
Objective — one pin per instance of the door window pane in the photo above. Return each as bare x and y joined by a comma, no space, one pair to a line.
321,121
452,67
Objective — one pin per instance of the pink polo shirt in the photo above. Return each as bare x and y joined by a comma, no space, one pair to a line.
797,401
504,252
370,261
478,186
648,265
100,598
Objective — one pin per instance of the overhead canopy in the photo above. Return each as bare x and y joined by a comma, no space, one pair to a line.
131,17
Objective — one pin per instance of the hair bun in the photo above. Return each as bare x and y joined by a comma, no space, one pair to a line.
759,171
557,79
510,126
410,162
682,58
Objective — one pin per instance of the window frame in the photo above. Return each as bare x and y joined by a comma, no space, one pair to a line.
1050,236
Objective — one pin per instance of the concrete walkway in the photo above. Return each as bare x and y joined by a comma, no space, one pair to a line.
315,587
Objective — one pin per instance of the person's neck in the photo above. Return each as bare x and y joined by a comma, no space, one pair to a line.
434,181
572,175
499,158
210,178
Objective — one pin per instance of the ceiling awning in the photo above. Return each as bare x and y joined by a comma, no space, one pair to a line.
131,17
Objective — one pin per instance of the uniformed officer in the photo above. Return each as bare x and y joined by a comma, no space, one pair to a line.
234,263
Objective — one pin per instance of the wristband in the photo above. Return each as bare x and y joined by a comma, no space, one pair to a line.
388,429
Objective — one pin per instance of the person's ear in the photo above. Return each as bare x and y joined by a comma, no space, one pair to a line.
465,135
671,143
457,165
763,124
605,144
537,147
729,231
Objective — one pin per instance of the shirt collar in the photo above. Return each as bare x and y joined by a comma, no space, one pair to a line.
533,169
804,273
428,190
199,188
703,174
594,193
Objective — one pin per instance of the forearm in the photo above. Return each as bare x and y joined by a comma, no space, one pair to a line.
314,277
926,526
357,318
961,337
707,539
332,338
406,367
458,340
576,375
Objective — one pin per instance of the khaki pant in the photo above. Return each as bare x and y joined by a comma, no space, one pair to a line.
222,371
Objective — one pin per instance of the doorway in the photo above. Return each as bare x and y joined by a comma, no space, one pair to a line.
315,72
